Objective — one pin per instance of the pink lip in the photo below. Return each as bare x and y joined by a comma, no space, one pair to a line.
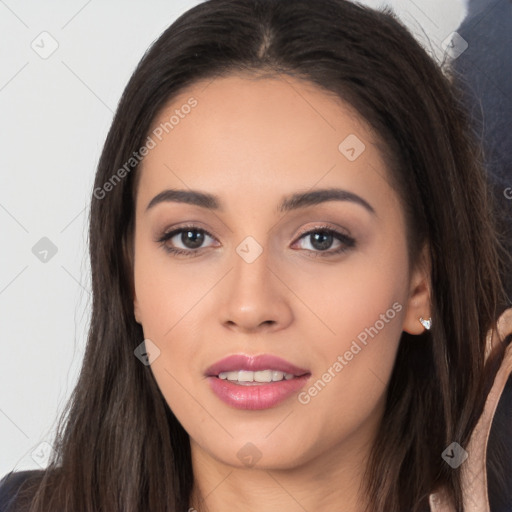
253,364
256,396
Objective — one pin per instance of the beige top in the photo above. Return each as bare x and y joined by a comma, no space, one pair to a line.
474,473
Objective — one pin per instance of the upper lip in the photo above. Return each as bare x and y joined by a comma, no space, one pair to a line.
253,363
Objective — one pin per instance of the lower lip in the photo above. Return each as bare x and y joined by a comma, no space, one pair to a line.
257,396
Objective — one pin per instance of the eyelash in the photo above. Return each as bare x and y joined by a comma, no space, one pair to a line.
347,241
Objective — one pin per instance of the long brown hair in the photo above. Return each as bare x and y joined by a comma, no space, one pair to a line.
118,446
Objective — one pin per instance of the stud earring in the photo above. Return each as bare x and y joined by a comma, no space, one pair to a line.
426,323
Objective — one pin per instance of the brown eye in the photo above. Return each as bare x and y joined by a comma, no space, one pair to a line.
191,239
321,239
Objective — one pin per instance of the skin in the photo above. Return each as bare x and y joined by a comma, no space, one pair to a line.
251,141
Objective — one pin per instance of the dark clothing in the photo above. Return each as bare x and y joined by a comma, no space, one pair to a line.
484,72
10,485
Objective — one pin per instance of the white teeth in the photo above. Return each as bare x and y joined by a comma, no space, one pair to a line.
259,376
245,376
277,375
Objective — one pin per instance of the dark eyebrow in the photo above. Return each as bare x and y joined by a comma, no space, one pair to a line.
293,202
301,200
194,197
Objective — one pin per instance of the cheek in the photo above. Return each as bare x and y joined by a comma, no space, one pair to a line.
362,298
165,293
363,307
169,301
166,299
346,395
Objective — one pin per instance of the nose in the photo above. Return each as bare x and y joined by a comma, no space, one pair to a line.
255,295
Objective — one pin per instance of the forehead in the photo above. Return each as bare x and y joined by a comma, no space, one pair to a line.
250,134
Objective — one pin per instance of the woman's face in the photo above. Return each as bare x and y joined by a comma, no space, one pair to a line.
322,281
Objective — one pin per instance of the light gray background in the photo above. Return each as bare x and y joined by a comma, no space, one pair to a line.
54,116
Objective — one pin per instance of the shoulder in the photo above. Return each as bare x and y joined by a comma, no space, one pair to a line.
11,484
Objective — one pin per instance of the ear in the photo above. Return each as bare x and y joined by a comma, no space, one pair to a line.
136,310
418,304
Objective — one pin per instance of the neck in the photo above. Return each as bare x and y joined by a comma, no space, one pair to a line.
331,481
